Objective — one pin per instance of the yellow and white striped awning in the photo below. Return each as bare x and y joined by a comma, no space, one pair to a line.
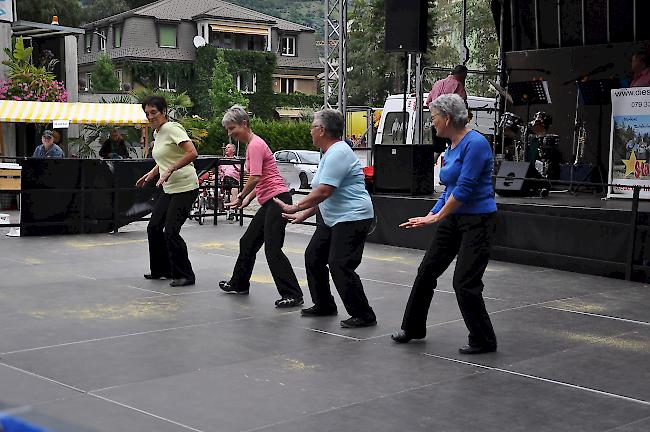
240,29
74,112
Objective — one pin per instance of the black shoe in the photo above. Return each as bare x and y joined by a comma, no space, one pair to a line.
151,276
181,282
288,302
469,349
316,311
355,322
227,287
403,337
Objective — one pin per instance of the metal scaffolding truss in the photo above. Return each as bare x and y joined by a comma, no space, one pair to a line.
336,35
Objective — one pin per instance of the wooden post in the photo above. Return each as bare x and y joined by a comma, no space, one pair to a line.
2,142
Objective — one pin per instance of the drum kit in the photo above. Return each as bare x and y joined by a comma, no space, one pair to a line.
529,142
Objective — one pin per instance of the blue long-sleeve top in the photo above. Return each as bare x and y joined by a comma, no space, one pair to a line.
467,175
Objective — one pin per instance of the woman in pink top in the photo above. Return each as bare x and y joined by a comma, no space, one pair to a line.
267,226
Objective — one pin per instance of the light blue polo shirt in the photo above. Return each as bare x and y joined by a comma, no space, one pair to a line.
350,201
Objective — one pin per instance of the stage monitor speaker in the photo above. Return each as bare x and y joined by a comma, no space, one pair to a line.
510,180
406,25
404,168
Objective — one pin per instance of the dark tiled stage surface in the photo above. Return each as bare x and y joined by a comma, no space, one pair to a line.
86,344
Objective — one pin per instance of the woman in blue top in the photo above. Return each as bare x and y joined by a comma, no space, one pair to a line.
465,222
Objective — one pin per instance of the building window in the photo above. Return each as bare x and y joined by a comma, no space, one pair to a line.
167,36
102,40
246,82
88,78
288,45
117,36
227,40
287,85
118,74
88,40
166,82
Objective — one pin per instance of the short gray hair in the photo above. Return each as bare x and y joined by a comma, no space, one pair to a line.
235,114
452,106
332,122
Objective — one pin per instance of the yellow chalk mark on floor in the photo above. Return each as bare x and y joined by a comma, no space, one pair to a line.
141,308
88,245
212,245
268,279
293,364
580,306
33,261
620,343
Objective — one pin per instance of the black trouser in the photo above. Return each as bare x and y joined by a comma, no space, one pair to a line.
266,228
340,247
167,250
469,237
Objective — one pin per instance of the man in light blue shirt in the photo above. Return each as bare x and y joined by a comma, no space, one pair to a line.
344,218
48,149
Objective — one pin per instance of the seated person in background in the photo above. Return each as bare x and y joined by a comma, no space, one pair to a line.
48,149
114,147
229,174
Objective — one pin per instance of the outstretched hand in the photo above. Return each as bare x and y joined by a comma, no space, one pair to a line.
295,218
419,222
286,208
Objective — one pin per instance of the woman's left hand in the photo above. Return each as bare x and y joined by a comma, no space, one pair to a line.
286,208
419,222
164,176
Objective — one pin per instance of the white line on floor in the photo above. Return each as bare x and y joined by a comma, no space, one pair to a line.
42,377
147,290
537,378
145,412
599,315
124,335
333,334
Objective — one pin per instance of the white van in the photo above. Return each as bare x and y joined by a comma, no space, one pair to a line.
391,128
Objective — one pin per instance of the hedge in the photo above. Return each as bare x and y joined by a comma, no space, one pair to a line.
279,135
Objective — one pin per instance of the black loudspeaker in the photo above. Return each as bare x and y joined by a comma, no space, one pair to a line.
404,168
406,25
510,180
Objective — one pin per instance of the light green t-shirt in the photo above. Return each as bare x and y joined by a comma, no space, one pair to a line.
166,151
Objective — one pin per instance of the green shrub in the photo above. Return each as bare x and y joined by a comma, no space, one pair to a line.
279,135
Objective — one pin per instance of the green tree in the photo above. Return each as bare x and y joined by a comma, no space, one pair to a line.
223,92
98,9
69,12
103,78
481,41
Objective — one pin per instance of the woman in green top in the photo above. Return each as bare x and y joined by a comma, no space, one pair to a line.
173,152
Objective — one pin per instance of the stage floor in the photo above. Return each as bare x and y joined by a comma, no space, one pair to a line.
86,344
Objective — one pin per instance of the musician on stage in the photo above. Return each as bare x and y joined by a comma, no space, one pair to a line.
641,70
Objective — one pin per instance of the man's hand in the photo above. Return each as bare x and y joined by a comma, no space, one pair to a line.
419,222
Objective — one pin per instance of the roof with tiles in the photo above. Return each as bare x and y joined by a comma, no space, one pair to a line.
183,10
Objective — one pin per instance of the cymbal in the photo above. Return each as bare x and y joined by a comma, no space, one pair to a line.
501,91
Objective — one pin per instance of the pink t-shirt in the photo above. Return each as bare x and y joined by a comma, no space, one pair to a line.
642,79
448,85
260,162
229,171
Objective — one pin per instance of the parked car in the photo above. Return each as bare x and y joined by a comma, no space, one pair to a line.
297,167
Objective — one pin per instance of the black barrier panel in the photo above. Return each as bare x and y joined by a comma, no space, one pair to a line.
50,174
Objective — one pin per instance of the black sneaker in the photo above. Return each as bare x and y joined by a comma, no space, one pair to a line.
316,311
288,302
355,322
227,287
